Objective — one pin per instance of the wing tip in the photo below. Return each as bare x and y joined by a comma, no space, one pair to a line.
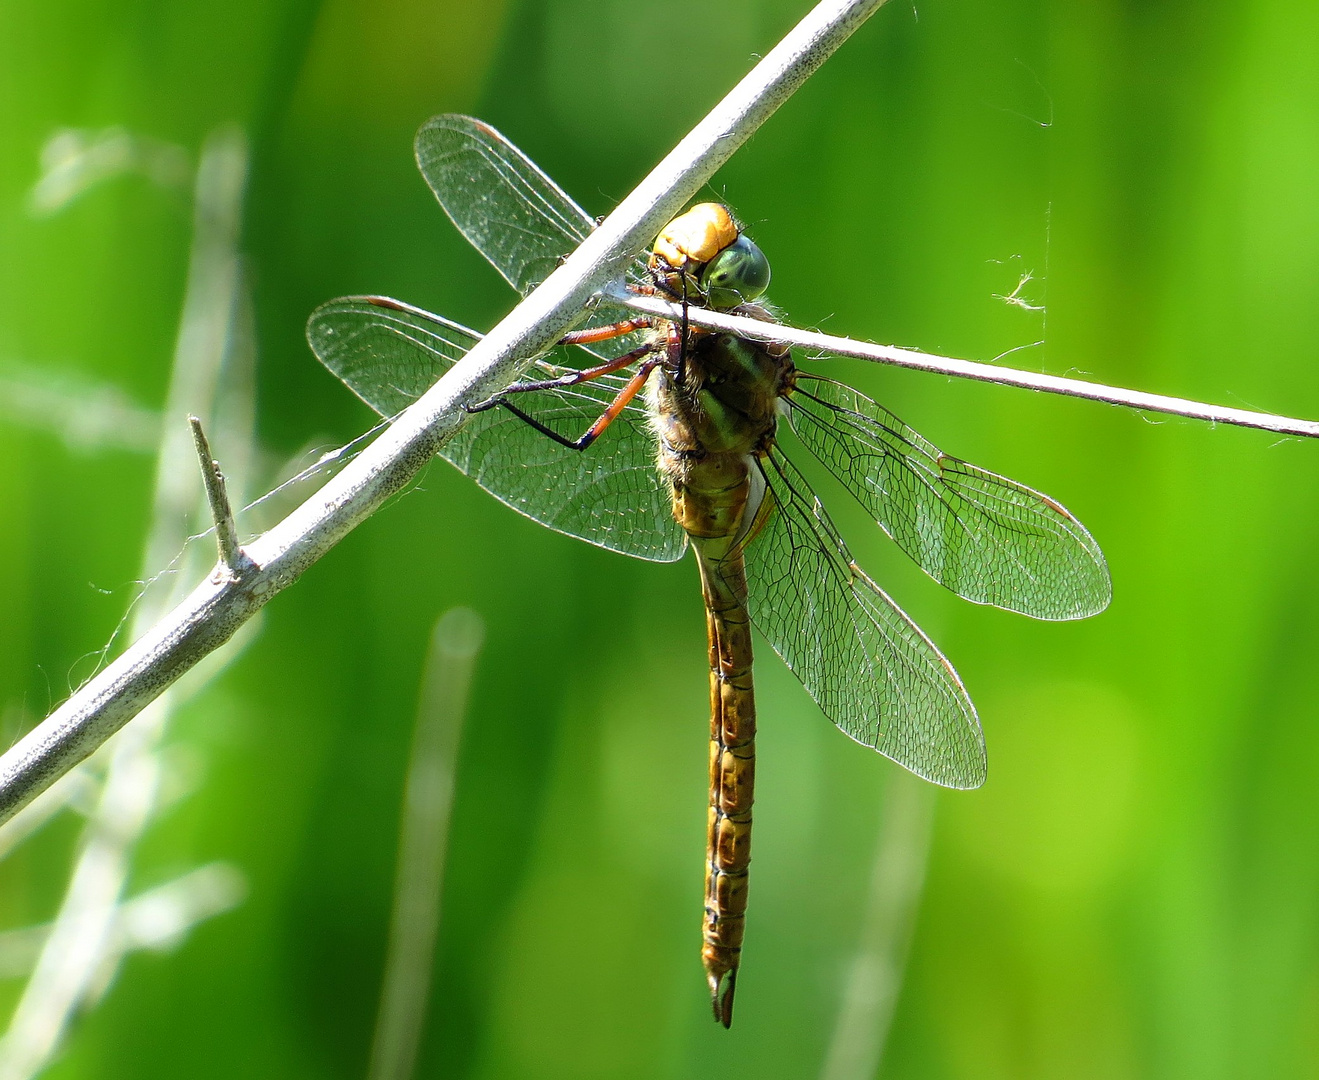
968,779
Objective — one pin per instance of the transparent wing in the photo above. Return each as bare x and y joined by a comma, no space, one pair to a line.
865,663
510,211
985,537
389,354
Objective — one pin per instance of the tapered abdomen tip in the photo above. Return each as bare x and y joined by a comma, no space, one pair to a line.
721,997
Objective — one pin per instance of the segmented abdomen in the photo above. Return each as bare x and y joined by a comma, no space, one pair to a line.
732,777
710,502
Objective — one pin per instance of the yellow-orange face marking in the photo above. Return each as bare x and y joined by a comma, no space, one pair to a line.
696,236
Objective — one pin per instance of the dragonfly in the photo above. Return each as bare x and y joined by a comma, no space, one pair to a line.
669,439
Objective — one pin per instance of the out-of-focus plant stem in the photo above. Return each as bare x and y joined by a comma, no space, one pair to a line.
423,840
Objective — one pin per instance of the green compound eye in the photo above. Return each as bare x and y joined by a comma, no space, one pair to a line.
737,275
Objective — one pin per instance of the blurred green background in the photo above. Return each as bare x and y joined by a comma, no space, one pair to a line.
1135,893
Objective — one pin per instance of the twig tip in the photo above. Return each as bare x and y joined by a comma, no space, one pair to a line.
226,533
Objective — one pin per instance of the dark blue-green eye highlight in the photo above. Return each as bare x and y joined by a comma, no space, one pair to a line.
737,275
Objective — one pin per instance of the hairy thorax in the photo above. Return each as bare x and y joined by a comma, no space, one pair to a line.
713,417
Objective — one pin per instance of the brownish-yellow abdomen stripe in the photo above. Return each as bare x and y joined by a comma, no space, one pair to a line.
732,776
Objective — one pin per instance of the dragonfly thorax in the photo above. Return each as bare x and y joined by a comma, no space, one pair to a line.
713,416
725,398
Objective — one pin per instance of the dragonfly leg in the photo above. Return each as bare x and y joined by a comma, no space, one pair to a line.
571,379
620,402
685,337
605,333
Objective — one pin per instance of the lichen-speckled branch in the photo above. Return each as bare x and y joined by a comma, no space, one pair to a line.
223,602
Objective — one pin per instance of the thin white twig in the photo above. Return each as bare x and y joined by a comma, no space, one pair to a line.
970,369
215,609
423,839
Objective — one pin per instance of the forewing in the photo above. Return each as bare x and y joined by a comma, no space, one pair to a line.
866,664
985,537
510,211
389,354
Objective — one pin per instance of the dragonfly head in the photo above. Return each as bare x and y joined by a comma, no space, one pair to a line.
705,246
